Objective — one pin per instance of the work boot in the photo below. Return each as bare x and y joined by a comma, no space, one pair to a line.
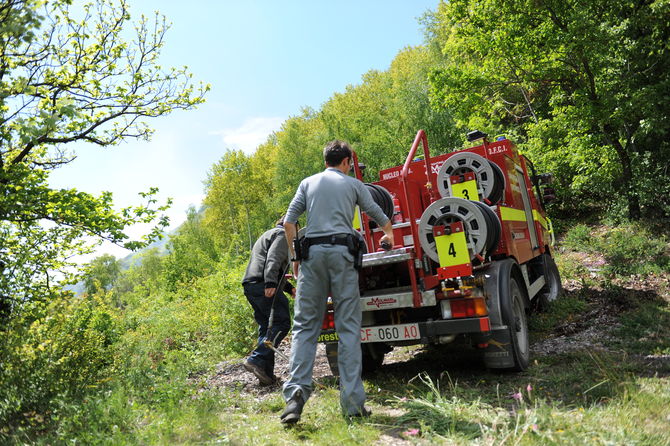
364,412
258,372
293,409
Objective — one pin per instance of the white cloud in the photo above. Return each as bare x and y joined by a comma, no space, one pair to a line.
252,133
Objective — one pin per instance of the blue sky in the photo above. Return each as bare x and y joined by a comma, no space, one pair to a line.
265,61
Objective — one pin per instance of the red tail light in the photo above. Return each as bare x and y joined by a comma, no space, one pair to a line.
457,308
328,320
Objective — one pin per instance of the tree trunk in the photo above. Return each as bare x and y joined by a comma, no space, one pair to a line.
634,211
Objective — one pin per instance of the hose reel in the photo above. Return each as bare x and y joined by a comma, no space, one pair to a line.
482,226
383,198
490,179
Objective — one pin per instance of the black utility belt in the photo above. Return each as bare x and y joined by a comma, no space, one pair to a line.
354,244
338,239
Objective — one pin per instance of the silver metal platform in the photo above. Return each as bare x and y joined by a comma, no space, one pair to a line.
394,298
386,257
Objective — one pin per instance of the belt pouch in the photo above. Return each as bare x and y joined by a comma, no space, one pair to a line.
355,250
304,248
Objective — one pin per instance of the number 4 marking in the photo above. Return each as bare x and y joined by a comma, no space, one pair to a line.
452,250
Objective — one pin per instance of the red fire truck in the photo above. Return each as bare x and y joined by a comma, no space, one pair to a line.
472,254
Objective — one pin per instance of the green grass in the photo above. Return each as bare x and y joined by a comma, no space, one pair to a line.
626,249
577,398
646,330
164,347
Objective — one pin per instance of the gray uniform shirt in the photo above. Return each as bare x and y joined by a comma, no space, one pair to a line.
329,198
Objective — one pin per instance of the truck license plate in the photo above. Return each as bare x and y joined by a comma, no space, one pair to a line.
383,333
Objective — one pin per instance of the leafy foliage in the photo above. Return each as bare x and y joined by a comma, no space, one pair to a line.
626,249
380,117
53,360
72,77
101,274
580,83
192,253
237,200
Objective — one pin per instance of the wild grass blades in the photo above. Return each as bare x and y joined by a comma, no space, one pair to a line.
451,415
445,413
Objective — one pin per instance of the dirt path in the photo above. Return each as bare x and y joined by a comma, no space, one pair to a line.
593,330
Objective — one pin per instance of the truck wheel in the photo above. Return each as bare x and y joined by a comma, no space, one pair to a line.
552,288
513,311
372,358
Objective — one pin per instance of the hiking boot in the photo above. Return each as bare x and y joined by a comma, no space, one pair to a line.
363,413
258,372
275,379
293,409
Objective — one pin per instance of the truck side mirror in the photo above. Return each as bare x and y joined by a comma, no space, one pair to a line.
543,178
548,195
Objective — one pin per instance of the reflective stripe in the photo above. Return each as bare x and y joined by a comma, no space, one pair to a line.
356,223
538,217
511,214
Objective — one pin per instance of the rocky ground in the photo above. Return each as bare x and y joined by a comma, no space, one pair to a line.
575,336
592,330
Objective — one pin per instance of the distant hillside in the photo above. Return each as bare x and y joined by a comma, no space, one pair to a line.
135,258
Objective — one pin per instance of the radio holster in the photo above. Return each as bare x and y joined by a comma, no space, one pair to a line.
356,247
297,249
301,248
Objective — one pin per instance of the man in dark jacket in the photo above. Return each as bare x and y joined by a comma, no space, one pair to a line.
269,258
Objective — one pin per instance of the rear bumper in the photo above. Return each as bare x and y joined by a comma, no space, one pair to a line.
431,329
454,326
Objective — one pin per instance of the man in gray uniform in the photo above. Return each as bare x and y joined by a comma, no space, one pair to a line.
329,199
269,258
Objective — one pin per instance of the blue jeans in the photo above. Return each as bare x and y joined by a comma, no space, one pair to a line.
262,356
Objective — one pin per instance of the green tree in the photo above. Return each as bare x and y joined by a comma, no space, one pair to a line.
299,153
381,116
192,253
101,273
144,277
72,75
232,197
582,83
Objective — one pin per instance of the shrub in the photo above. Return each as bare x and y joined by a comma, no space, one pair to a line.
50,355
628,249
190,329
631,249
578,238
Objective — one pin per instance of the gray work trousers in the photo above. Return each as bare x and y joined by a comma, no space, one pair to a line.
328,271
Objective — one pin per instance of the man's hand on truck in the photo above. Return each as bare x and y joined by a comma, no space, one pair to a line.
387,240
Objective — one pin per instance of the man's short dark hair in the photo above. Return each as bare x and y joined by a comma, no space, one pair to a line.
335,152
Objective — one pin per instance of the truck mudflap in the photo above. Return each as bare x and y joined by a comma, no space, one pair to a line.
421,332
498,354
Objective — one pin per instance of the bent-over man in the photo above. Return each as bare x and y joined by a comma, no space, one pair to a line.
269,258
